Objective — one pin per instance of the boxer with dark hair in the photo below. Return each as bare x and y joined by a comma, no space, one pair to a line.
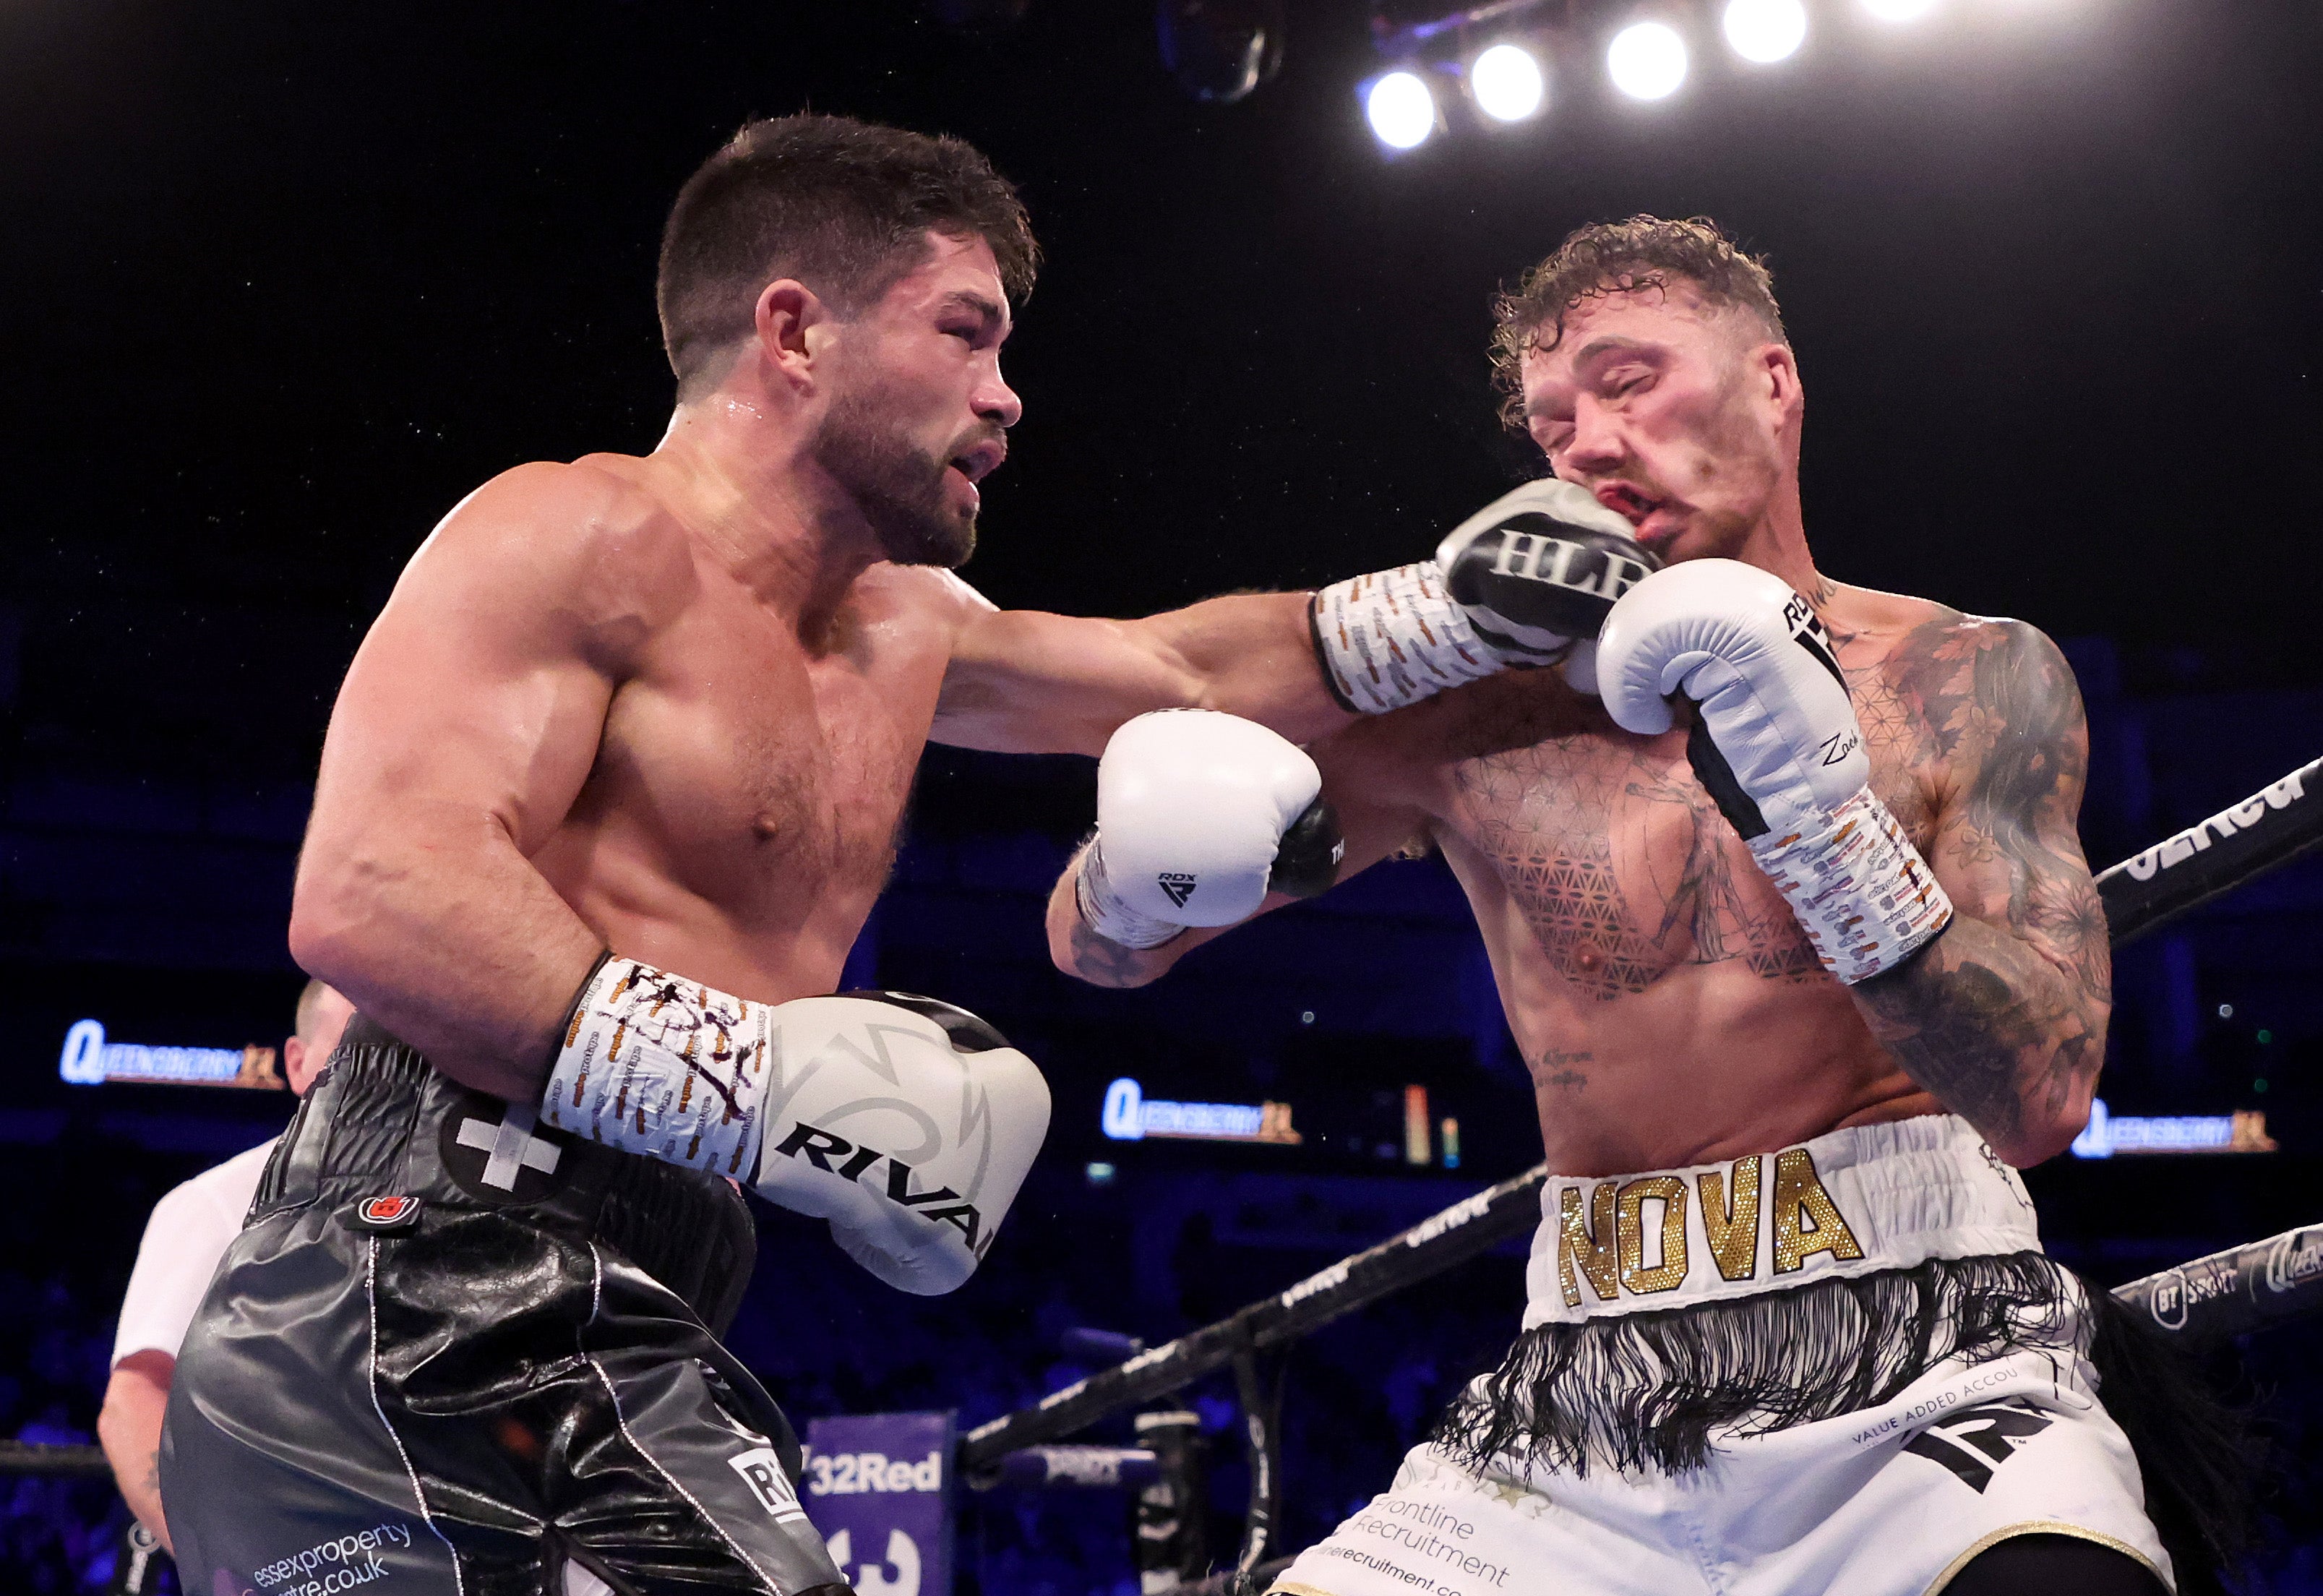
1782,891
669,706
607,792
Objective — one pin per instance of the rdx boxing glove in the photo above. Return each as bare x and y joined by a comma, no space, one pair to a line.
1519,583
1199,816
906,1122
1776,743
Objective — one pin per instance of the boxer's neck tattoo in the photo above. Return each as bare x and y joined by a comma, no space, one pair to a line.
1555,1069
2005,1015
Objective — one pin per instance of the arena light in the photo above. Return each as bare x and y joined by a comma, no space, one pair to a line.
1899,11
1647,60
1507,82
1765,30
1400,110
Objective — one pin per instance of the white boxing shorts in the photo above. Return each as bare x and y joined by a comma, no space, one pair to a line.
1889,1498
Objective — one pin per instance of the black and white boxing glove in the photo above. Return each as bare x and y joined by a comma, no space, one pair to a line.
906,1122
1199,815
1776,743
1518,584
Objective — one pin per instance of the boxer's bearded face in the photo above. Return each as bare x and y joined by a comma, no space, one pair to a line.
918,408
1652,402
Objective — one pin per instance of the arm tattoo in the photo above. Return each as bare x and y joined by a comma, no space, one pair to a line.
2003,1016
1103,962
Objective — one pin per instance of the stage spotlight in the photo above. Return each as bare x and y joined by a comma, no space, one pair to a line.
1507,83
1403,111
1765,30
1899,11
1647,60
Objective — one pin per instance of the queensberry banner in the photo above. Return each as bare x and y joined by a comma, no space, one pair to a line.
878,1486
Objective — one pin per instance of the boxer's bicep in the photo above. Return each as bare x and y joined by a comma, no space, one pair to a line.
2004,1015
2007,845
467,727
1026,682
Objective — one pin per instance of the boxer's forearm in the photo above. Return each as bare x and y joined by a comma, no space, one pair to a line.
129,1428
1079,950
2002,1036
1252,655
450,939
1022,682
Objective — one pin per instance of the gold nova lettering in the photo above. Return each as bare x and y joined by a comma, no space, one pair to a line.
1603,1239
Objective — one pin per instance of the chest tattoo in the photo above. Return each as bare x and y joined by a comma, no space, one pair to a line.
1622,866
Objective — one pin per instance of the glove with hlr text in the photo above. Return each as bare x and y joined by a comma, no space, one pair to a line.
1776,743
906,1122
1518,584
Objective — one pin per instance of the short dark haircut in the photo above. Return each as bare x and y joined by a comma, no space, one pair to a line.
1616,258
844,207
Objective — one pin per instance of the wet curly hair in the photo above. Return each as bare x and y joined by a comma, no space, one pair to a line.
1622,257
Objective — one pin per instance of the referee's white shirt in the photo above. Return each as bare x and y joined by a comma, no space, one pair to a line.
185,1238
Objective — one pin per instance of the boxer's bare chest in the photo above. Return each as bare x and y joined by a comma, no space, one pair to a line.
1615,856
764,772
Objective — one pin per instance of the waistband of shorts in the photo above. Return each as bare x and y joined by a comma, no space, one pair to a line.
380,1120
1849,1202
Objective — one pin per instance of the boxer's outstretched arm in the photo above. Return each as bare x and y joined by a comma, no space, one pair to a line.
2003,1016
1023,682
467,723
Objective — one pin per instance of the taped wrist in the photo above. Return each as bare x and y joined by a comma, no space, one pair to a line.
1102,908
1865,897
1394,637
653,1063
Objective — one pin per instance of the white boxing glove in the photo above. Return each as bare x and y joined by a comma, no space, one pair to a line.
906,1122
1776,743
1198,813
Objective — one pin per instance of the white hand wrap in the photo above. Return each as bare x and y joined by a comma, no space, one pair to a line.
1107,914
656,1064
1862,894
1393,638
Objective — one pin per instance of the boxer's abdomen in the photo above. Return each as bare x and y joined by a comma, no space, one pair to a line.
1661,991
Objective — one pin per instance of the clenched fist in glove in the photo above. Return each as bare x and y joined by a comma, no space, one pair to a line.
1776,743
906,1122
1199,816
1518,584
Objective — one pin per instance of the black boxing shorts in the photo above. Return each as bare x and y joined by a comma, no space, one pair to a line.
455,1353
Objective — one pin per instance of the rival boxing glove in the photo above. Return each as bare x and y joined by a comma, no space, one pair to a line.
1198,816
906,1122
1517,584
1776,743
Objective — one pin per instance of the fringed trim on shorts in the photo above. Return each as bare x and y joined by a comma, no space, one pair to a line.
1650,1390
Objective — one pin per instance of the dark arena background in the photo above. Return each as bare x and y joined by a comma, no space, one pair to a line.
280,283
